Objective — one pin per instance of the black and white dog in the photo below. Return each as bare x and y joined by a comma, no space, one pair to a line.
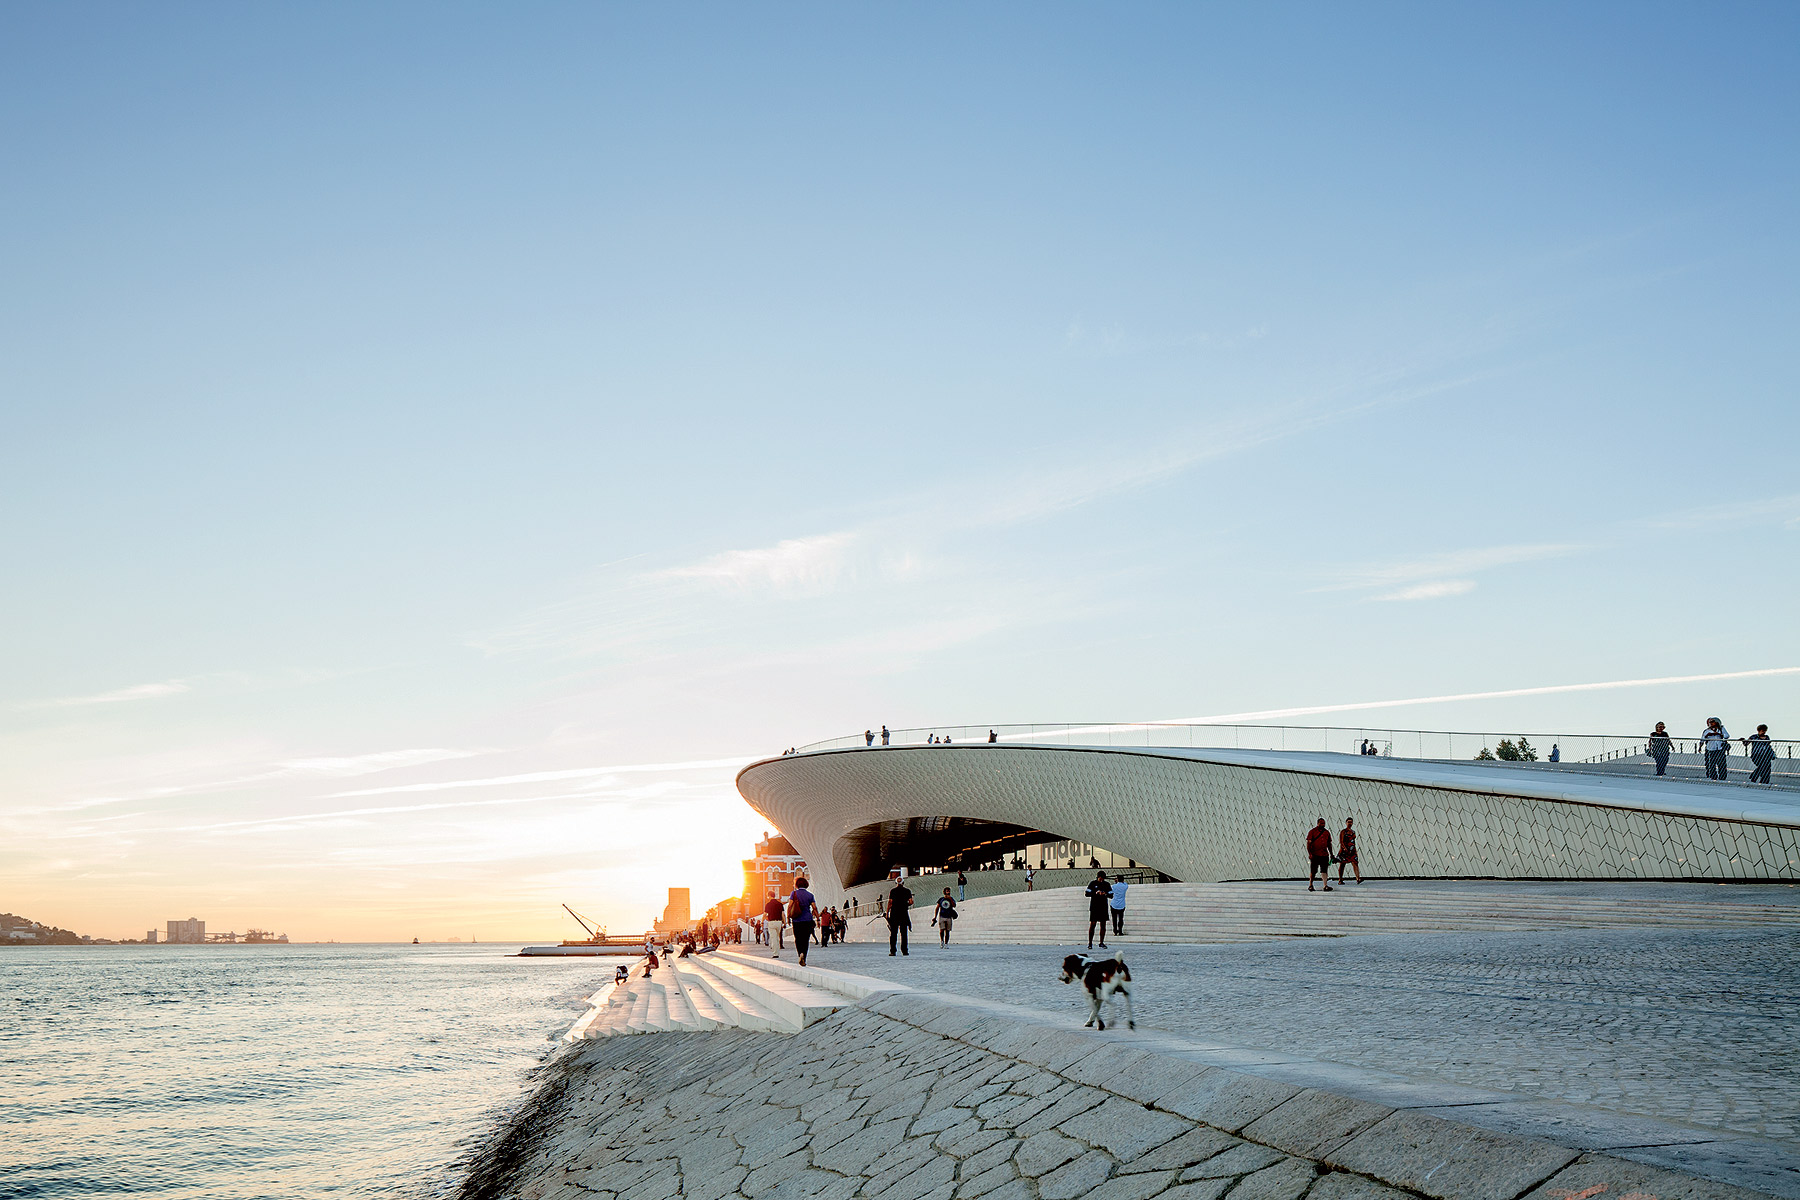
1103,978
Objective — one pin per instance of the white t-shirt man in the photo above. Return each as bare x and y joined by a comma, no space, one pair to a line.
1118,893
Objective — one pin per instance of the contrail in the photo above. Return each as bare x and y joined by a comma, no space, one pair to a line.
1315,709
1228,718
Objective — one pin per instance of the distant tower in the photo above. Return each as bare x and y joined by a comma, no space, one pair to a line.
676,917
150,936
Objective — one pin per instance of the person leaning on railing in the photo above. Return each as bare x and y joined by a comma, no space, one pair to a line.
1762,754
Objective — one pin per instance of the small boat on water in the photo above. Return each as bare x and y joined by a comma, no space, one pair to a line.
415,941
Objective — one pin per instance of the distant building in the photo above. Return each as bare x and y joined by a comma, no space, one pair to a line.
191,932
150,937
771,872
677,916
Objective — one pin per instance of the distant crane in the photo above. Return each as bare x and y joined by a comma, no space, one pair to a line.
595,934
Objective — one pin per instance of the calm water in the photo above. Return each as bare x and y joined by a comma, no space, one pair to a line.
230,1072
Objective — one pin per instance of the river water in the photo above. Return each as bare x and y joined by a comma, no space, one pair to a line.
231,1072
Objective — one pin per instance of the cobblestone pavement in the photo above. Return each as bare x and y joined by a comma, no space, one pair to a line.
871,1107
1697,1026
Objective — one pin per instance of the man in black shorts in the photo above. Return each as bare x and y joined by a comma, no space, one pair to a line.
1318,853
1099,898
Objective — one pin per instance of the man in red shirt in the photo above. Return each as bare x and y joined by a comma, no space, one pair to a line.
1318,853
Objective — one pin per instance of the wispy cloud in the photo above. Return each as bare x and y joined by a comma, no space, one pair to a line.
659,610
125,695
1436,590
811,565
1448,565
369,764
1783,510
1438,576
709,764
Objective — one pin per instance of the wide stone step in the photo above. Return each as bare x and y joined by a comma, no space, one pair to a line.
840,983
676,1012
792,1002
639,1020
705,1009
743,1010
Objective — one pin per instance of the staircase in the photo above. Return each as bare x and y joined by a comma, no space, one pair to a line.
724,989
1256,912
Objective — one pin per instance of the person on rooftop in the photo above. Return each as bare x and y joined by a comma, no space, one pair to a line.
1716,743
1762,754
1659,746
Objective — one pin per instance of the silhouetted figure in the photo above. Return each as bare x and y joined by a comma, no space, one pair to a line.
1762,754
1099,898
899,915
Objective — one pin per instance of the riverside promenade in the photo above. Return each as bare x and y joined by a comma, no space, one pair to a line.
1547,1065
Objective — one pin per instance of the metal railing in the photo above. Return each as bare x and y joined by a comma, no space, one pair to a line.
1571,749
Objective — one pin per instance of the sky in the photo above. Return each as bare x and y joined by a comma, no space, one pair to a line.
443,443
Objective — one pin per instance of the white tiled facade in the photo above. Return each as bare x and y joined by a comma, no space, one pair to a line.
1205,816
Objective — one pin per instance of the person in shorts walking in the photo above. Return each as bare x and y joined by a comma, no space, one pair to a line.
1347,850
1318,853
944,917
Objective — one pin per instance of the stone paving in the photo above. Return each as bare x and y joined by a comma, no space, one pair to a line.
1695,1026
868,1105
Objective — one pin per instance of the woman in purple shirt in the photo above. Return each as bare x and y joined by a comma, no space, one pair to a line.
801,916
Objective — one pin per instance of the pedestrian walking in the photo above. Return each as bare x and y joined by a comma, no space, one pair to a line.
899,915
962,886
944,917
772,921
1346,854
801,911
1099,897
1762,754
1030,875
1659,746
1716,744
1318,853
1118,906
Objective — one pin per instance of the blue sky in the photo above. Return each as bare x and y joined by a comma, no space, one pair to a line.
417,397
